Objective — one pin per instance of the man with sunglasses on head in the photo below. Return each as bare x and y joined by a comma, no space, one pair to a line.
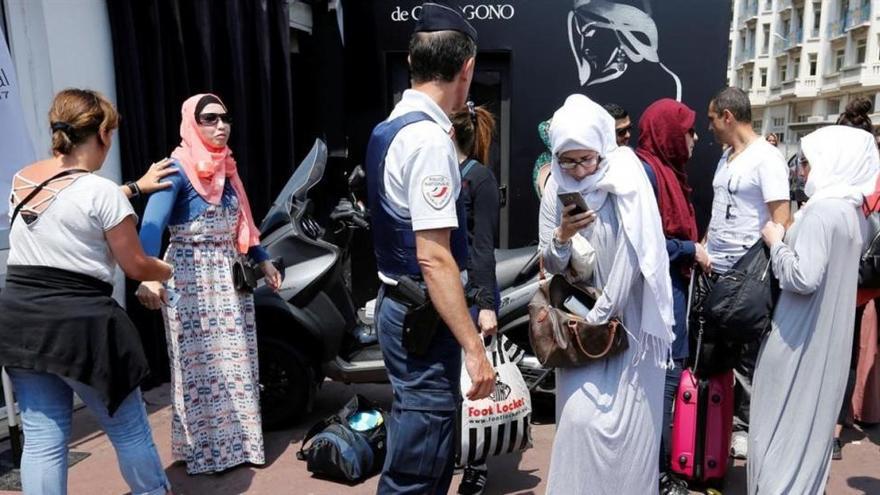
622,123
751,188
419,227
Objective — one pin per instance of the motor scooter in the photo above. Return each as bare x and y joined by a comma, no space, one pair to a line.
310,330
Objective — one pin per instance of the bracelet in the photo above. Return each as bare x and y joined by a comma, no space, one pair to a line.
134,188
557,244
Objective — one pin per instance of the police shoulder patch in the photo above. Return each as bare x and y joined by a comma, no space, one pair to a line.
437,190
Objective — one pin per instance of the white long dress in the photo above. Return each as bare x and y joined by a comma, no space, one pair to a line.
801,373
609,413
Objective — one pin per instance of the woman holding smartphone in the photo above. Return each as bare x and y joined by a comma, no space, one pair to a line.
608,412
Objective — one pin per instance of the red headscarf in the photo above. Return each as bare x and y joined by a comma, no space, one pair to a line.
207,168
663,146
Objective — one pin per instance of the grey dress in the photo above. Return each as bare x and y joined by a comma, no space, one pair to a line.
608,413
803,365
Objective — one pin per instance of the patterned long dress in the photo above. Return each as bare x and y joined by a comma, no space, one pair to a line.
212,346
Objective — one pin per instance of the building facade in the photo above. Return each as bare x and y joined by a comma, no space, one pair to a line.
802,61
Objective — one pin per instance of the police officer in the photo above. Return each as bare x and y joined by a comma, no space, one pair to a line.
420,240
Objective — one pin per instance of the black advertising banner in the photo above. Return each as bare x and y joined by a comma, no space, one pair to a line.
532,55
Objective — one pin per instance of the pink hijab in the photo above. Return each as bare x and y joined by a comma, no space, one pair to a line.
207,168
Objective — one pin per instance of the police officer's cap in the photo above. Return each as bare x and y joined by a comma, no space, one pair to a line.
437,16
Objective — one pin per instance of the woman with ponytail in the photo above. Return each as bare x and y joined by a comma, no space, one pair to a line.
865,348
473,129
60,329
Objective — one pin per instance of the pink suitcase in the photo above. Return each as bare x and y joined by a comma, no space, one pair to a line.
701,427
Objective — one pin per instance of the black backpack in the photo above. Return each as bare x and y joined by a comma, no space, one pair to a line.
338,452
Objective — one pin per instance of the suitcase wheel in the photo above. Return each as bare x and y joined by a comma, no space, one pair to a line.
687,396
716,398
682,460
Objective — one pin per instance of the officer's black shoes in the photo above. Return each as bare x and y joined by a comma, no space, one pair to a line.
474,480
670,485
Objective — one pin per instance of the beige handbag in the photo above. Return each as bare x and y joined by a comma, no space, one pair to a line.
561,339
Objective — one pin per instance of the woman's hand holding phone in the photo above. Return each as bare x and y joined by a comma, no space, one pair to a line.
572,222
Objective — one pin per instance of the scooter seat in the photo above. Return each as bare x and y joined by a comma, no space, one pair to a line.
509,263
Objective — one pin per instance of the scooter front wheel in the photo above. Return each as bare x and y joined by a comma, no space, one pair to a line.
286,383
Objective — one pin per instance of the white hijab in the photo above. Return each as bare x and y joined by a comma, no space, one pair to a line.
844,163
582,124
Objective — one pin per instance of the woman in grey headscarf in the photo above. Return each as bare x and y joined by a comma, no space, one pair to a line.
609,412
802,369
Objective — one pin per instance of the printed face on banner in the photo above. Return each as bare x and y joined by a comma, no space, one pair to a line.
607,38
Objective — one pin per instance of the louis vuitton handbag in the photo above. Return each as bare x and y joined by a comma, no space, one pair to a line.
561,338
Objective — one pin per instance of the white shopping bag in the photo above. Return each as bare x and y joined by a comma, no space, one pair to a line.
498,424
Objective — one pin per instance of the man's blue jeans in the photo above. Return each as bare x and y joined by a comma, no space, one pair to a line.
421,426
46,404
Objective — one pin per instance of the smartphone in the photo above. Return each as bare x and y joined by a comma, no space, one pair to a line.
574,198
173,297
575,306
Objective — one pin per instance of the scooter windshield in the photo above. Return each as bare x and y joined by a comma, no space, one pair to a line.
306,175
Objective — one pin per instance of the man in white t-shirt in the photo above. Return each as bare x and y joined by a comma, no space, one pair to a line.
751,187
420,241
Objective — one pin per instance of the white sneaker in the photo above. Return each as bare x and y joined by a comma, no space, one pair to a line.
739,445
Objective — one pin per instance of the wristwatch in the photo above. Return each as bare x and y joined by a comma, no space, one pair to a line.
134,188
557,244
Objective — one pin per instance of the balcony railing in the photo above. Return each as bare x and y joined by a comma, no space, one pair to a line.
853,70
836,29
747,55
856,16
809,82
750,10
850,75
794,38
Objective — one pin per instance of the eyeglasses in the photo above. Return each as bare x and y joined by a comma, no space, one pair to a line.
623,130
691,131
802,159
568,164
211,119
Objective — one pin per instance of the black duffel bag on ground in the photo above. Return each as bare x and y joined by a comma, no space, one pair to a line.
341,448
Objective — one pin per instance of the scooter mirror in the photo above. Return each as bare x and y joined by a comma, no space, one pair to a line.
356,178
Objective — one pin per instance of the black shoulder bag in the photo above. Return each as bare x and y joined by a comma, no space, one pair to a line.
40,187
869,263
739,306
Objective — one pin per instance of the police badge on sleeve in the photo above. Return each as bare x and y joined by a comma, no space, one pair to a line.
437,189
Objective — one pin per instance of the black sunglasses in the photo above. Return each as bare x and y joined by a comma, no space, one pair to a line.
623,130
209,119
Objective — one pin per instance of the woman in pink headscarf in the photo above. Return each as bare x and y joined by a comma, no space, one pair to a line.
210,328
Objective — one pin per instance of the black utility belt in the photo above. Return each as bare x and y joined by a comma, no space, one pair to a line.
421,321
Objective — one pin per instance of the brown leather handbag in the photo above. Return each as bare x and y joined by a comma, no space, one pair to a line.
561,339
